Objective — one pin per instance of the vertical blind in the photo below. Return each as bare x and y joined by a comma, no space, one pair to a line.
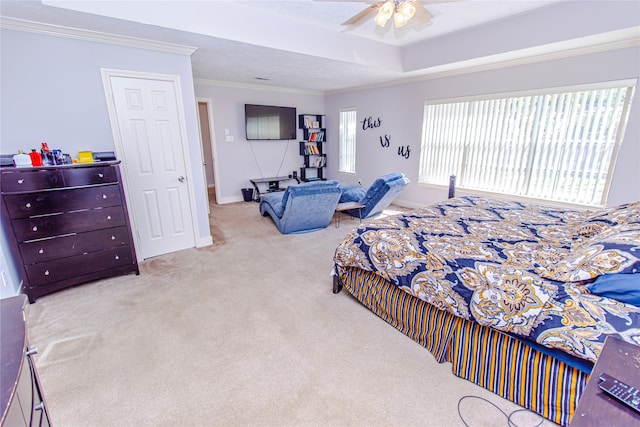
555,146
347,155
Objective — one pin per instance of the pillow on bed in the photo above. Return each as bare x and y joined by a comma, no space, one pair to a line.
605,219
628,213
621,287
616,250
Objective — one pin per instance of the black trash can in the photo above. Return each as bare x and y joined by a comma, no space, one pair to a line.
247,194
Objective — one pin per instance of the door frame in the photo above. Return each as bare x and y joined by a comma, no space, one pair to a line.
214,149
107,73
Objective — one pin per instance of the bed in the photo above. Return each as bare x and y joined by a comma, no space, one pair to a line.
518,297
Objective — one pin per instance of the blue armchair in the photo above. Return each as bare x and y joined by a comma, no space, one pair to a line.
301,208
375,199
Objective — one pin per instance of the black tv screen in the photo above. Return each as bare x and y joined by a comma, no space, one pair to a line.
268,122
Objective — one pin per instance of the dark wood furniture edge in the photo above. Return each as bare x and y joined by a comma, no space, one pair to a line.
42,290
337,285
14,341
73,165
621,360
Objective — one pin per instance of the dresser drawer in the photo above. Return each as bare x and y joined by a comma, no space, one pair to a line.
68,223
75,244
89,176
61,269
30,204
28,180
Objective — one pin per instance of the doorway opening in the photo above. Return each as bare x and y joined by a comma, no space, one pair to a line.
207,144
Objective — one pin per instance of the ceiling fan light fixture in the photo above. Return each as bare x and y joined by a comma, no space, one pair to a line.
401,10
399,20
381,19
406,9
385,12
404,12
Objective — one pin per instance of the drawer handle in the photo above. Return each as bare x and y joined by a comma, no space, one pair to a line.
28,205
41,251
101,175
109,217
35,228
46,273
113,237
104,196
21,181
117,257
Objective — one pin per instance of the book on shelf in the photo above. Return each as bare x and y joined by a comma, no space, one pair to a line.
317,162
320,136
313,136
310,149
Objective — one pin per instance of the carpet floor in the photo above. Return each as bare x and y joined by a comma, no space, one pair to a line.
246,332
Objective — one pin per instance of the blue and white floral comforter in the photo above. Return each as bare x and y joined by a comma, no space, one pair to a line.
515,267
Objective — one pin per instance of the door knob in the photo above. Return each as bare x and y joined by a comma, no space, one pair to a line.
181,179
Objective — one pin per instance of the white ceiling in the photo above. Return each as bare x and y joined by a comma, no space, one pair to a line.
294,44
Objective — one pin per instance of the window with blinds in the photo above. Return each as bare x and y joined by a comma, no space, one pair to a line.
559,145
347,154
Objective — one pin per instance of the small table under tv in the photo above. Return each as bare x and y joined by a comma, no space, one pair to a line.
270,185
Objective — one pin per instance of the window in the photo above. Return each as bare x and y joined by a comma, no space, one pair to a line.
347,155
557,145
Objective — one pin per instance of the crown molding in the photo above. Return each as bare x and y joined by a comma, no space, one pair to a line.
220,83
94,36
629,38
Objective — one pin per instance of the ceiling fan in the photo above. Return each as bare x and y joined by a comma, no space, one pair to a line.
400,10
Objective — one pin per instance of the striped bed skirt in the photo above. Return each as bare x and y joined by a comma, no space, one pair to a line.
491,359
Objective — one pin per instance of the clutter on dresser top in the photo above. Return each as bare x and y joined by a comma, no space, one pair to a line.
53,157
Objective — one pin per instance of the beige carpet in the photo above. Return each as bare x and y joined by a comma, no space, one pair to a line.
243,333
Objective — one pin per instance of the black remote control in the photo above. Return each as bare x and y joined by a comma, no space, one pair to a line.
626,394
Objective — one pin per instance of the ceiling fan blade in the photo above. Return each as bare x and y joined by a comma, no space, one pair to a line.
363,14
422,15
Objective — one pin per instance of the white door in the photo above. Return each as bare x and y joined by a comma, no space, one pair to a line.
149,126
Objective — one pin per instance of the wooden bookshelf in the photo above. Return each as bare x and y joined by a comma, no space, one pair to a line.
312,147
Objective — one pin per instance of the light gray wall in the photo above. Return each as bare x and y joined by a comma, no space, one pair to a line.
52,91
241,160
400,108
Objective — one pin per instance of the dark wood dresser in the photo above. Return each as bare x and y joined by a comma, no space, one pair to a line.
21,399
67,225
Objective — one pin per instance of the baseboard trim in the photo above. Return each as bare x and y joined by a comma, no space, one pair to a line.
204,241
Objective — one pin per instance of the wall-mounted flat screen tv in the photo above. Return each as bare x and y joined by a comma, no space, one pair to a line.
268,122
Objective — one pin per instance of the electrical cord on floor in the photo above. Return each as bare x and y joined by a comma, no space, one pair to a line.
507,416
